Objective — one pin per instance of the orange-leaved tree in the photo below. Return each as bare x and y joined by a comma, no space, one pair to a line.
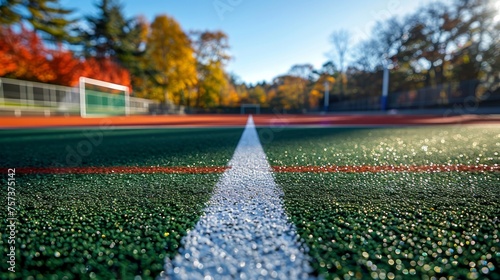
66,67
24,56
105,70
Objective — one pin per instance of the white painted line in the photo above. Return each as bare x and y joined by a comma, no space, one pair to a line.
244,233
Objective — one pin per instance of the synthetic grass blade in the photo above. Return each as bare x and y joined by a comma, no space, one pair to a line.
245,232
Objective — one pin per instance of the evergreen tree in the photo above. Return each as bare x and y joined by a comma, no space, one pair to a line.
102,38
50,18
112,36
45,16
8,14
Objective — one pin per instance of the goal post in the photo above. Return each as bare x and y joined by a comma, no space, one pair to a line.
256,107
103,98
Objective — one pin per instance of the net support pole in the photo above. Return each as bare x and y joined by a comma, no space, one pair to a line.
83,111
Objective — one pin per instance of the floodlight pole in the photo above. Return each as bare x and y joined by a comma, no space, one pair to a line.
385,86
327,96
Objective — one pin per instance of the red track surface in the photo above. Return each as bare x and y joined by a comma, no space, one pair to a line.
240,120
280,169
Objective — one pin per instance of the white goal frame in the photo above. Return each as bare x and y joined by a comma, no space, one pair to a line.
250,105
83,102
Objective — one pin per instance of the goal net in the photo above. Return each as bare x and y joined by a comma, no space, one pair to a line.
99,98
250,109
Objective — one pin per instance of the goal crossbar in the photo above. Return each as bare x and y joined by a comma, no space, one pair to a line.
249,105
83,102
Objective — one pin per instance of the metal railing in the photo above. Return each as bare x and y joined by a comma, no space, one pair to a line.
449,95
21,97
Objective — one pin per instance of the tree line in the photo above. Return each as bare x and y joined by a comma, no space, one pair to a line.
437,44
454,46
41,41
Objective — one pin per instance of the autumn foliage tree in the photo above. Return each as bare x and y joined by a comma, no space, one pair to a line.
106,70
170,61
453,43
231,94
66,67
211,53
23,55
437,45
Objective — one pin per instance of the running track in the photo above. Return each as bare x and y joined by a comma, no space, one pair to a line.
240,120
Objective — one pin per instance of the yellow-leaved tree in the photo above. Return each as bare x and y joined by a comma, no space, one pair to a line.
170,61
212,54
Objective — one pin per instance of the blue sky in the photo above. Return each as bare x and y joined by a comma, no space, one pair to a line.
268,37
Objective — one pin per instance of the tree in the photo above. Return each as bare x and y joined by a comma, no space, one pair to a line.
233,92
287,92
110,34
255,95
111,37
429,41
8,12
170,60
131,55
23,56
341,42
393,46
326,75
66,67
45,16
305,74
50,18
476,56
211,53
105,70
8,60
211,83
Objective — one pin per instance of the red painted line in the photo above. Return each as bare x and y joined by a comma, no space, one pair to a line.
118,170
387,168
279,169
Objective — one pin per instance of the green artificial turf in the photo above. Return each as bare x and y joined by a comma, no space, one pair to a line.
102,226
393,225
110,146
383,146
397,225
107,226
